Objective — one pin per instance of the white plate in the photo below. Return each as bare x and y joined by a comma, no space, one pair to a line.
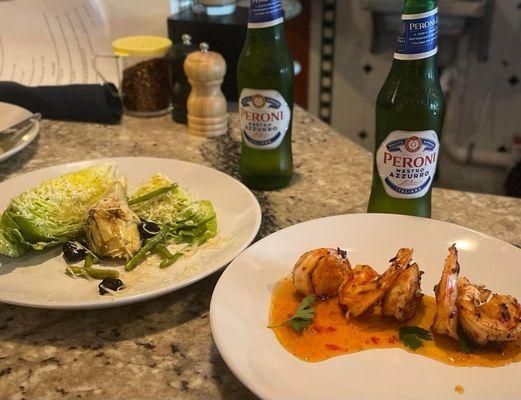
241,300
38,279
9,116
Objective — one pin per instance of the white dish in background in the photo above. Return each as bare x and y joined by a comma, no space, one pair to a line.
9,116
241,301
38,280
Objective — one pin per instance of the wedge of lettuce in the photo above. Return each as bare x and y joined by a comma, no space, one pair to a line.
11,240
54,211
192,221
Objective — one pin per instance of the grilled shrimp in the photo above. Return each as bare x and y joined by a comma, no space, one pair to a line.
487,317
321,271
364,287
405,295
446,320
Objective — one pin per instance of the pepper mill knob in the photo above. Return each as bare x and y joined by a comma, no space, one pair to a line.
206,103
186,39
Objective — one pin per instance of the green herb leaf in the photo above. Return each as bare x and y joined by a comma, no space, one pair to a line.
465,344
411,340
299,324
304,311
416,330
303,317
413,336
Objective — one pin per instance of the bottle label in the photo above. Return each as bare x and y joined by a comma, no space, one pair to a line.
265,13
265,118
406,163
419,36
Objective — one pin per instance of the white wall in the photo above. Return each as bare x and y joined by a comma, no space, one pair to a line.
485,107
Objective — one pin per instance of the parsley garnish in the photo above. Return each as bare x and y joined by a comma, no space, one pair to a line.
413,336
465,344
303,317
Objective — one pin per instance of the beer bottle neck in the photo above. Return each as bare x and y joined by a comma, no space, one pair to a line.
418,38
273,34
422,71
418,6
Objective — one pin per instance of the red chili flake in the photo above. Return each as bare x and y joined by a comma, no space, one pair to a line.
392,339
322,329
333,347
375,340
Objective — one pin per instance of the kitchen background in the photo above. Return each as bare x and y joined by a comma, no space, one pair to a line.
345,47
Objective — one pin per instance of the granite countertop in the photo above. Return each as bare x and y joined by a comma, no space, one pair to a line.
163,348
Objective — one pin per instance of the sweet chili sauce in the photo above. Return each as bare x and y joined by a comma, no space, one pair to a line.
331,334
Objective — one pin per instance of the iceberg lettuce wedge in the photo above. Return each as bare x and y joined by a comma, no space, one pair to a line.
11,240
54,211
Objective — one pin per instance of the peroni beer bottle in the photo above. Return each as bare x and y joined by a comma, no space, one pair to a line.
265,87
409,117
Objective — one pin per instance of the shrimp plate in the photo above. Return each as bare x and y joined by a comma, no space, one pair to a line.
242,303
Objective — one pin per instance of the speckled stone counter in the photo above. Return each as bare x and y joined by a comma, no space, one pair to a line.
163,349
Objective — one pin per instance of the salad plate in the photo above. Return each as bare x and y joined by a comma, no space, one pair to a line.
9,116
240,312
39,278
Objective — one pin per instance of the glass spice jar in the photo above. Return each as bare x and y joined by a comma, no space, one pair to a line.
145,83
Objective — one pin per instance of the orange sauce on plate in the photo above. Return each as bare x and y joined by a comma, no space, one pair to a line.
331,334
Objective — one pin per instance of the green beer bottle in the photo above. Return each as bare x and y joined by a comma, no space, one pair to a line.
409,118
265,87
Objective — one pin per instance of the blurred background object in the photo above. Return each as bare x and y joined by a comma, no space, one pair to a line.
139,17
217,7
179,83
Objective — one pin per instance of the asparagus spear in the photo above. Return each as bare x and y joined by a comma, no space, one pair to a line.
149,246
151,195
170,260
96,273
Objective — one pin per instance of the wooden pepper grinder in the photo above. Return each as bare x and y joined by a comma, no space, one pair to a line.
206,103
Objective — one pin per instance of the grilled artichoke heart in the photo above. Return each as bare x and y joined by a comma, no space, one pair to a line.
112,227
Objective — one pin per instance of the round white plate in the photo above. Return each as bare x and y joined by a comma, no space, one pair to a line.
9,116
241,301
38,279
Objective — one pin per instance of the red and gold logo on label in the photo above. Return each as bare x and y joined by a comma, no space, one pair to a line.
413,144
258,101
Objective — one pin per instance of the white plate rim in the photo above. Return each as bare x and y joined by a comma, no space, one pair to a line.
219,342
29,136
155,293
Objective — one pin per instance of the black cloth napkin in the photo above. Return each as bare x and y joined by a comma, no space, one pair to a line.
86,103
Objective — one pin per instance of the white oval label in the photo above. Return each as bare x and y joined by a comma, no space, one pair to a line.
406,163
265,118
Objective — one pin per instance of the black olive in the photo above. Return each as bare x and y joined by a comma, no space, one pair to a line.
148,229
111,284
74,251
